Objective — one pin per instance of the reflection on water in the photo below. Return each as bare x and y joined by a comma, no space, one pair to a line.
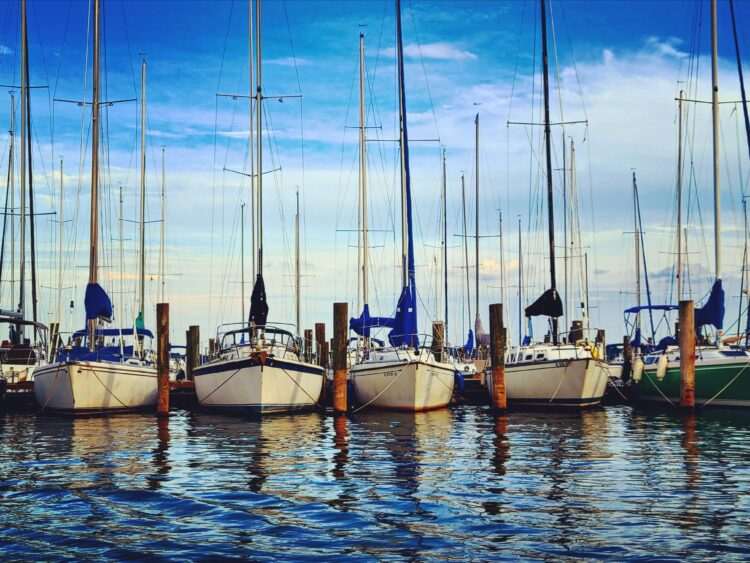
463,483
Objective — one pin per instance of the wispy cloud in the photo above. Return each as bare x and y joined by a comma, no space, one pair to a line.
437,51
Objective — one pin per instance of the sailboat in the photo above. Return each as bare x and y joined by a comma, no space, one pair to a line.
722,373
402,376
20,352
96,371
258,367
553,373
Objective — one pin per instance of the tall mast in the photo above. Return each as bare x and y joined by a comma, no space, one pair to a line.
520,285
445,244
548,153
11,175
503,287
402,144
363,168
637,232
60,247
251,150
163,237
259,133
679,199
715,119
142,235
27,147
476,215
24,133
466,251
297,273
242,260
566,263
121,240
94,225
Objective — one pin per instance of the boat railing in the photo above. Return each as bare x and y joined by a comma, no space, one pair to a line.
239,338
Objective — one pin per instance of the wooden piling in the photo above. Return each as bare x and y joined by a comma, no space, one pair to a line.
162,358
576,332
211,346
320,340
627,357
192,350
438,340
497,349
687,354
340,332
308,345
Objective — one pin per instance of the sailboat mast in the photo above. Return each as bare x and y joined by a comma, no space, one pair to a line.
142,235
259,138
297,273
58,317
637,231
566,264
11,187
466,250
403,147
363,168
715,119
476,215
445,244
242,260
520,285
251,150
679,199
24,133
94,225
548,153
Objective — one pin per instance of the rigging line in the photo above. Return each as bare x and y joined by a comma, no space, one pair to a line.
515,66
573,56
424,71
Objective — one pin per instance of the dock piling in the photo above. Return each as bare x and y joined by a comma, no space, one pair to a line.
687,354
497,350
308,345
340,322
162,359
438,340
192,350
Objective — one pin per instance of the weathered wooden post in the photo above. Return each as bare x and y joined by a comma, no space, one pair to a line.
497,350
308,345
211,346
438,340
687,354
627,357
192,350
321,357
340,321
162,358
576,332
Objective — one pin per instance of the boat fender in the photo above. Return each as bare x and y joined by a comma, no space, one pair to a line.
637,369
661,367
458,377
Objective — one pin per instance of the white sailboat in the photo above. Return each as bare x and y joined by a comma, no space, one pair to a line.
552,373
258,367
403,376
90,376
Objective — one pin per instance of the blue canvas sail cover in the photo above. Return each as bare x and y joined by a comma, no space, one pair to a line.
97,303
712,312
258,303
548,305
362,324
469,346
404,331
636,342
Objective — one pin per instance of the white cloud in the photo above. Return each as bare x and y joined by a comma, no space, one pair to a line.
439,51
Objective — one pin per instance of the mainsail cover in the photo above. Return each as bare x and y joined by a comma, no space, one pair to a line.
97,303
712,312
258,303
483,339
548,305
362,324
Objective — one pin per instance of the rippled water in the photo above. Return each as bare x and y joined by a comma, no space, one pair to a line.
611,483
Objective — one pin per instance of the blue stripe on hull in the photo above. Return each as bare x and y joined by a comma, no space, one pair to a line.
250,362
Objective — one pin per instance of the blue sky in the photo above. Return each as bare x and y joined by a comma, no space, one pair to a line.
619,65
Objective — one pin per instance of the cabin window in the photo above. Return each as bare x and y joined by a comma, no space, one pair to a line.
540,356
529,357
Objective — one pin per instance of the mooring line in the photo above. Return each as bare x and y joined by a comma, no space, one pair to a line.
384,390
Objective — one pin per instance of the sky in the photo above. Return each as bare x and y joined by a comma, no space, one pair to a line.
616,66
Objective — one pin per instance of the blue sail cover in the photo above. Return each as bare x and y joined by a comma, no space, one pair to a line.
258,303
362,324
636,342
404,331
97,303
712,312
469,346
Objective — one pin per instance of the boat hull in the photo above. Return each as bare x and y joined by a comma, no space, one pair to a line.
251,386
94,387
574,383
721,384
405,386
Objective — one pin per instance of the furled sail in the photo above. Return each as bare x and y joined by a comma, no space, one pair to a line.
97,302
258,303
712,312
548,305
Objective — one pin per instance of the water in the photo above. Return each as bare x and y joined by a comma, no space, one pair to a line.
612,483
